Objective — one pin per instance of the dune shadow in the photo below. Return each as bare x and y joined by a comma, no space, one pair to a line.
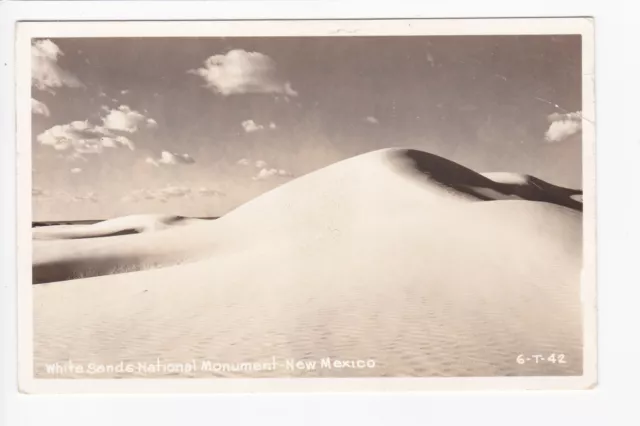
70,235
466,181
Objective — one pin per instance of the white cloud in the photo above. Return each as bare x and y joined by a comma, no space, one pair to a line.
90,197
170,192
38,107
125,119
75,156
170,158
261,164
243,162
210,192
151,123
265,173
81,137
563,126
46,74
151,161
250,126
239,72
175,191
371,119
124,92
431,61
76,170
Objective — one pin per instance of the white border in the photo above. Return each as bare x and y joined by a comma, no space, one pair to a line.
618,209
347,28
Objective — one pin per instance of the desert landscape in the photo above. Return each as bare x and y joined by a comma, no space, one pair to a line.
397,255
331,206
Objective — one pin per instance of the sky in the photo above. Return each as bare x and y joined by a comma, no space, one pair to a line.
198,126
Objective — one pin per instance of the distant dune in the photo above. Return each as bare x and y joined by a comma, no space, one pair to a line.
126,225
400,256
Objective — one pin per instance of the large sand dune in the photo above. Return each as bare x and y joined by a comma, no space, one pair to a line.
400,256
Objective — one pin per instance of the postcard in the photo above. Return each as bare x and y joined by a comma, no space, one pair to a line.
282,206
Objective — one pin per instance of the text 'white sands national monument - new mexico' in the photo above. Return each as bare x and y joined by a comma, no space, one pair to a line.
397,256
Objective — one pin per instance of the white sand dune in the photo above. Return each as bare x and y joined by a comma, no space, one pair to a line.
399,256
126,225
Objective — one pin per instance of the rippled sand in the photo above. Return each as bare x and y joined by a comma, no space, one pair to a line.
396,256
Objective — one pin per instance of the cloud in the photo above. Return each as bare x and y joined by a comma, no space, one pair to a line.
563,126
46,74
265,173
239,72
250,126
371,119
76,170
125,119
151,123
90,197
38,107
243,162
170,192
124,92
210,192
81,137
431,61
261,164
170,158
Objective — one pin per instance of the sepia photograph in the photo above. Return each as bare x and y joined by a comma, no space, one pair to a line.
405,202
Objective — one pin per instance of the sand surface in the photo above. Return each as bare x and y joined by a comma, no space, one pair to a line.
396,256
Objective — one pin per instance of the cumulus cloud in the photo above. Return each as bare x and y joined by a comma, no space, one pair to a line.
239,72
151,123
371,119
38,107
170,159
81,137
243,162
250,126
261,164
76,170
124,92
265,173
563,126
126,120
46,74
